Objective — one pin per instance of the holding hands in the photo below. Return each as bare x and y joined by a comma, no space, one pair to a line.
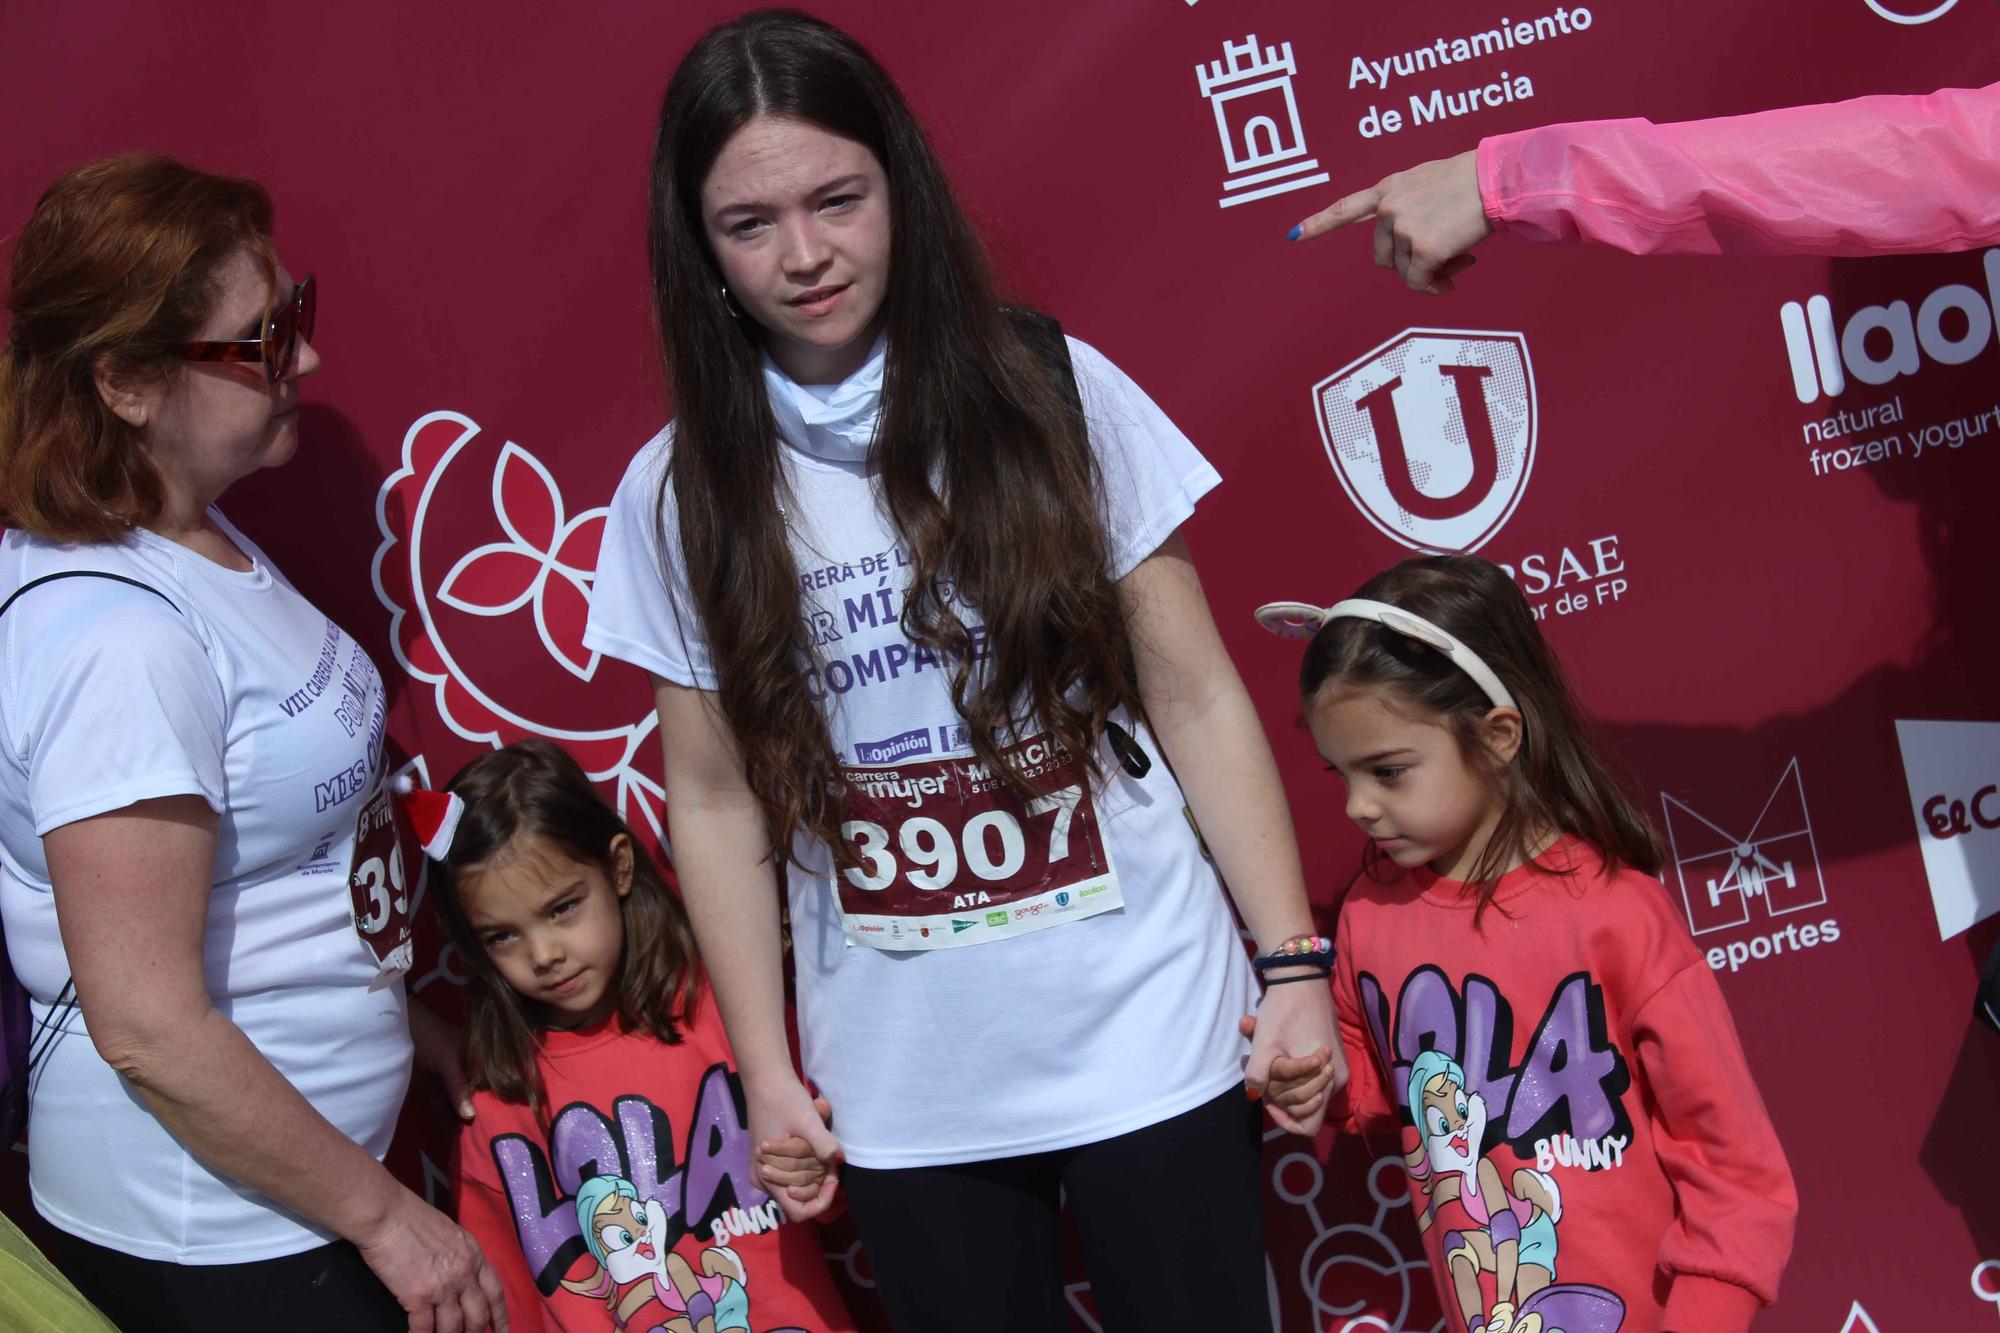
797,1162
1427,219
1294,1089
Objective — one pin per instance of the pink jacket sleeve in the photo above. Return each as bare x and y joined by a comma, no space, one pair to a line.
1735,1203
1877,175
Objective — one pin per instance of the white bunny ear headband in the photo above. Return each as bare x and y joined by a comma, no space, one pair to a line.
1302,620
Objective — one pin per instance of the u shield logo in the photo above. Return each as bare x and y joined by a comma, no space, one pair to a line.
1432,434
1911,13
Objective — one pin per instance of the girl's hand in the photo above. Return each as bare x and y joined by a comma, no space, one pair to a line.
434,1270
789,1164
440,1050
783,1115
1295,1022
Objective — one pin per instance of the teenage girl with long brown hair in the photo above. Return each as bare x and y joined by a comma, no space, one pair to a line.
926,640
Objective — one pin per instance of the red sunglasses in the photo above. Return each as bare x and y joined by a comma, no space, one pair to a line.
278,348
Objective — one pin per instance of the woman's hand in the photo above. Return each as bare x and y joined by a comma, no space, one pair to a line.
783,1111
1293,1046
434,1270
440,1050
1426,219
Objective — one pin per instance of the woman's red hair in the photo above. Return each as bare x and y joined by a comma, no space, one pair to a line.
114,271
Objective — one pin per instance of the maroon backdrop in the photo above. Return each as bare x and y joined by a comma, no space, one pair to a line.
468,182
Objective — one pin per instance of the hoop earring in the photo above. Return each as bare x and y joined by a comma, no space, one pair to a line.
730,305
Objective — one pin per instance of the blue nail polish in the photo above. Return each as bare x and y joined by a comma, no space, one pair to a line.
1296,232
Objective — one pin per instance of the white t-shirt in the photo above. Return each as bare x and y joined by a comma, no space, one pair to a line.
1065,1036
242,693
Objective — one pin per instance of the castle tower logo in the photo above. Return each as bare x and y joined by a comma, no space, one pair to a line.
1257,119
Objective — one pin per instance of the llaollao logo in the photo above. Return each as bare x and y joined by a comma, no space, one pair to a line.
487,575
1432,434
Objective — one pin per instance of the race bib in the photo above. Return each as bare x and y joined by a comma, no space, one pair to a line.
381,886
950,855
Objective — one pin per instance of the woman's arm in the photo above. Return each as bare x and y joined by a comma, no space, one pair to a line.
1204,719
1875,175
1871,176
729,880
131,890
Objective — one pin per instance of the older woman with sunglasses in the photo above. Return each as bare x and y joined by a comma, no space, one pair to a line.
189,755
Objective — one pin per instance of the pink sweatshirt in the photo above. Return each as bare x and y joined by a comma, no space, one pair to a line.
1582,1135
1877,175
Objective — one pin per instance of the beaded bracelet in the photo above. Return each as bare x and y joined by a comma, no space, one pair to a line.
1299,950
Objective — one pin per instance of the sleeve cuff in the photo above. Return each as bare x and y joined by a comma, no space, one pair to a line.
647,658
1495,152
147,788
1151,535
1700,1304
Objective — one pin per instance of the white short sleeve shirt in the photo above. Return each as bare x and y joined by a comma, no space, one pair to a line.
237,690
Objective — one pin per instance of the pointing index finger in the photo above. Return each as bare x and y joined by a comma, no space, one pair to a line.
1341,213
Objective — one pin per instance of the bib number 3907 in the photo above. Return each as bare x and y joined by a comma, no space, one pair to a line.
950,855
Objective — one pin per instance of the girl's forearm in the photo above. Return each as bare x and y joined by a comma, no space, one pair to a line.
1232,786
730,886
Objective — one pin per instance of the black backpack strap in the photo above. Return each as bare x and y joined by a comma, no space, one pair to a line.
14,1095
1044,337
33,584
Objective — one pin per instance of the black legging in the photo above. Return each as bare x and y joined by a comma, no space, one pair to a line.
1170,1216
327,1289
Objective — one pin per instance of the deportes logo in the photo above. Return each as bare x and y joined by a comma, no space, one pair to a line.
1432,434
1724,867
1062,898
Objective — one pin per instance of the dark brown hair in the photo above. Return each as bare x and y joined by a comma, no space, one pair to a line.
536,789
983,457
114,271
1555,782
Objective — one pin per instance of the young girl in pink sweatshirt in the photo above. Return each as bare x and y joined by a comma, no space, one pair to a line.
1517,996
